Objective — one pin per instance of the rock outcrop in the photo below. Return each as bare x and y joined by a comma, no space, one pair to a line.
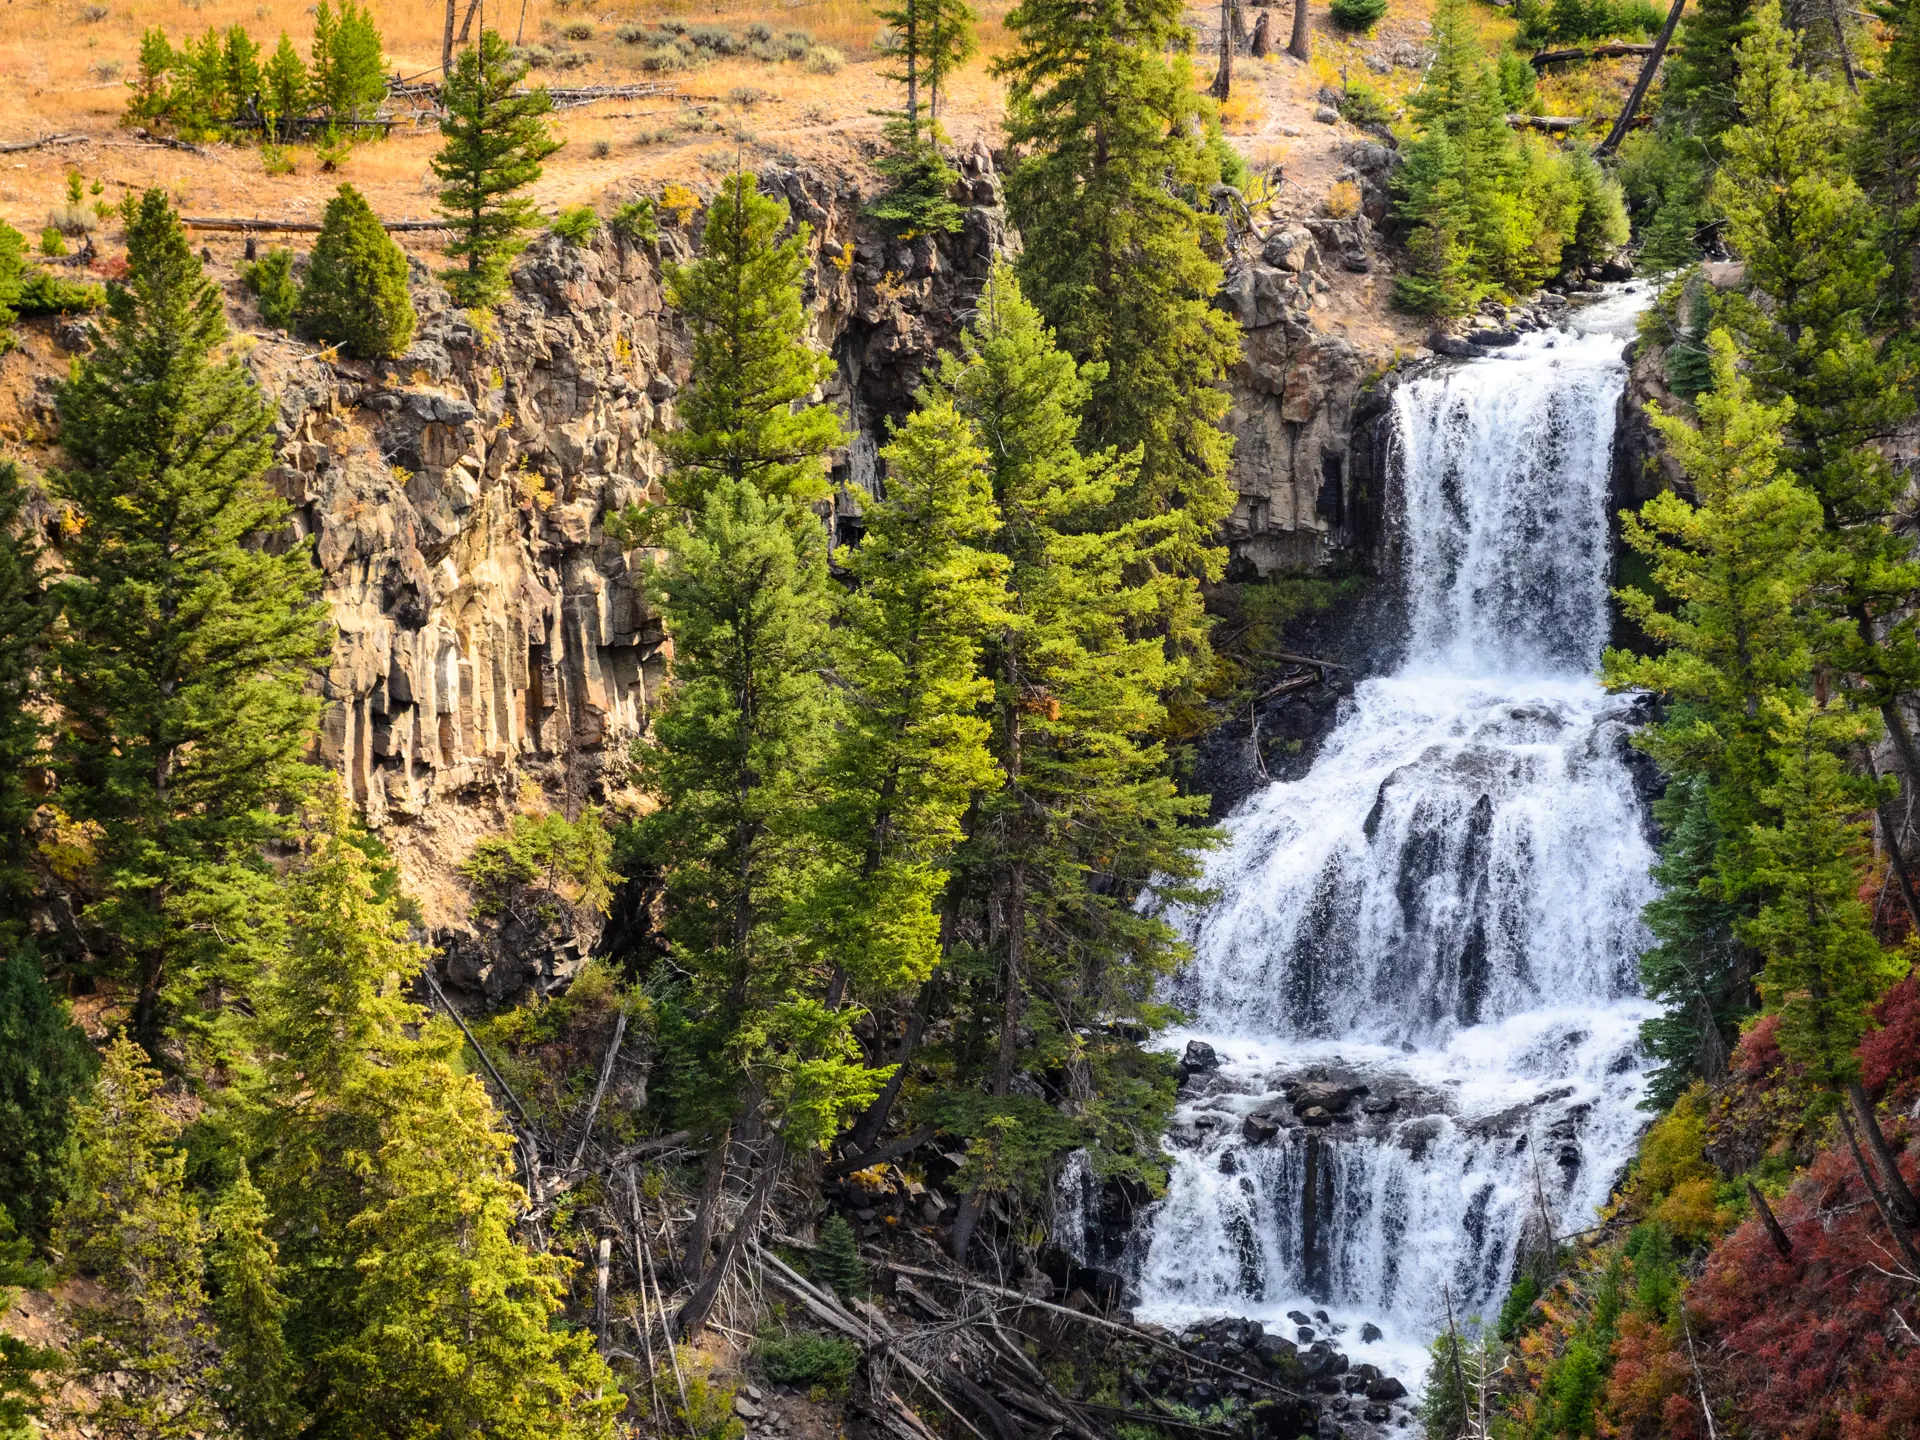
490,633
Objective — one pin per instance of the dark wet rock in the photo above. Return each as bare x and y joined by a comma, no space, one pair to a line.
1323,1317
1380,1104
1304,1334
1387,1387
1299,1318
1275,1349
1369,1333
1315,1116
1199,1056
1260,1129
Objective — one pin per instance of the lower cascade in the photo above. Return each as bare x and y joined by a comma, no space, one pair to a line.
1414,1039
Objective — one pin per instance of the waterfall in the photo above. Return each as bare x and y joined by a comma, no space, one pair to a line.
1419,973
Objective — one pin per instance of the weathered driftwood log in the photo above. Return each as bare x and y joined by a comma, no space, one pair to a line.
1552,124
1612,49
301,227
14,147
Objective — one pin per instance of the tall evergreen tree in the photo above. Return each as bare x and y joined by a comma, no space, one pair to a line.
912,748
146,1345
355,291
348,76
1698,89
1887,154
413,1307
929,39
1809,239
1738,565
1084,811
45,1065
752,365
254,1378
496,140
1123,264
23,636
185,646
284,86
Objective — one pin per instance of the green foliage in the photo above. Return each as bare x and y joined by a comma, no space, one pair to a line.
1517,1308
495,141
1084,810
741,413
1102,107
1358,16
1566,22
577,226
707,1411
355,291
1824,966
52,242
634,221
254,1379
13,262
184,652
836,1259
929,40
917,199
807,1358
348,77
45,1065
129,1223
1689,363
571,858
1490,211
44,293
22,1366
271,279
1361,104
284,85
1887,151
913,749
23,625
412,1306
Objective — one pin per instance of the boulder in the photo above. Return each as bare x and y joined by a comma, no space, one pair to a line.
1452,346
1315,1116
1369,1333
1259,1129
1387,1387
1199,1056
1379,1105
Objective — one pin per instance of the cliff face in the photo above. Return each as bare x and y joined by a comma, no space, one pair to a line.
492,636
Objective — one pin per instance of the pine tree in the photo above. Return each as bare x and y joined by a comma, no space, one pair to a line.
495,141
1689,362
23,626
752,365
1698,89
836,1259
182,660
254,1379
45,1064
348,75
284,86
22,1395
1824,968
413,1306
240,65
1433,199
1085,811
912,748
735,766
930,39
13,261
1887,153
355,291
1120,260
1810,242
145,1346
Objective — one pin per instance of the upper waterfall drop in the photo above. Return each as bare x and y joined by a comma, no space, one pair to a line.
1419,971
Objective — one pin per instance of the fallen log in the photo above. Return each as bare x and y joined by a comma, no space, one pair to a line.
1611,50
302,227
15,147
1551,124
1648,67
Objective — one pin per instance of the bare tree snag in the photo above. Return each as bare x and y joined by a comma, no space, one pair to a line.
1899,1195
1223,77
1640,86
1774,1233
446,42
1300,47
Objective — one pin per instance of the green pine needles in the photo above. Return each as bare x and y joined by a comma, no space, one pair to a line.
355,291
184,652
495,140
836,1259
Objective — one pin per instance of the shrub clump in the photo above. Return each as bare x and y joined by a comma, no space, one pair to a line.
836,1259
355,292
270,278
1357,15
808,1358
576,226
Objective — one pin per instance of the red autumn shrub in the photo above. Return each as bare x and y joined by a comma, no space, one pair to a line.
1813,1347
1890,1056
1648,1395
1758,1053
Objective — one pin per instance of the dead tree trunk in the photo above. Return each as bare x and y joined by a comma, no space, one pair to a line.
1257,47
1765,1212
1300,47
446,42
1647,72
1223,77
699,1304
1899,1195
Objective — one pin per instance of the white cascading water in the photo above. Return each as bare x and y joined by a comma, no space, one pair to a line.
1444,911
